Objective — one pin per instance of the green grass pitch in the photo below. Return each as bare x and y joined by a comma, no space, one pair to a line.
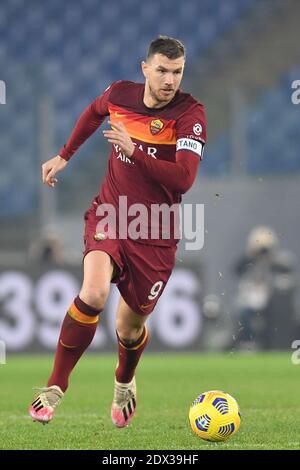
266,387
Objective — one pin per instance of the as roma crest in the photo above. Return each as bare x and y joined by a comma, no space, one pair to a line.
156,126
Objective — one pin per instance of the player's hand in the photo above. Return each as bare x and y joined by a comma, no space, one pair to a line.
51,168
119,136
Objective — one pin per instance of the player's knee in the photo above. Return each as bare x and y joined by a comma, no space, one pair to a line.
96,298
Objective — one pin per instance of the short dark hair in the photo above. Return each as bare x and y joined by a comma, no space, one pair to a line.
170,47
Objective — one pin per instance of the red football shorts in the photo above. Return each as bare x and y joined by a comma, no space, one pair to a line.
143,270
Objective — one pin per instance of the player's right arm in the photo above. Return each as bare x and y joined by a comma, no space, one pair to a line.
88,122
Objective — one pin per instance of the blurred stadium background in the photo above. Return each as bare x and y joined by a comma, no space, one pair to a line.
240,290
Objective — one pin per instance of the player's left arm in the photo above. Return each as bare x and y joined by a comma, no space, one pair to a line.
177,176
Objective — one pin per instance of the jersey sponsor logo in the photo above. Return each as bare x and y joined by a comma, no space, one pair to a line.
197,128
156,126
190,144
150,151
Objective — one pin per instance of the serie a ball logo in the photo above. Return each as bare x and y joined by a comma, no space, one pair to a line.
215,416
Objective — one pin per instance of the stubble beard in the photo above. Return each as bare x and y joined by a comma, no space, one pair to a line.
156,98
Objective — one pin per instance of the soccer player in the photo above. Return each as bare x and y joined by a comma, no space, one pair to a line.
157,135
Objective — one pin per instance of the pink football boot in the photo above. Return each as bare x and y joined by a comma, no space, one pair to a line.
124,403
42,408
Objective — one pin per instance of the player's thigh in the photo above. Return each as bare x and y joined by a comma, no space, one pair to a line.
98,268
129,324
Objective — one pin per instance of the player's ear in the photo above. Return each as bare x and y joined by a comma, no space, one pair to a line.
144,68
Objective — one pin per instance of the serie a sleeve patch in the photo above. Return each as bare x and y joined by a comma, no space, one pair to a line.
190,144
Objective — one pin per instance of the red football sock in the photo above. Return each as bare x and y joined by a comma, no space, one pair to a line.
77,331
129,356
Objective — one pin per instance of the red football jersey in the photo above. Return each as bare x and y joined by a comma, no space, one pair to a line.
169,144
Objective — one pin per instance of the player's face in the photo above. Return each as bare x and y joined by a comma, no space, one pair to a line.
163,77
